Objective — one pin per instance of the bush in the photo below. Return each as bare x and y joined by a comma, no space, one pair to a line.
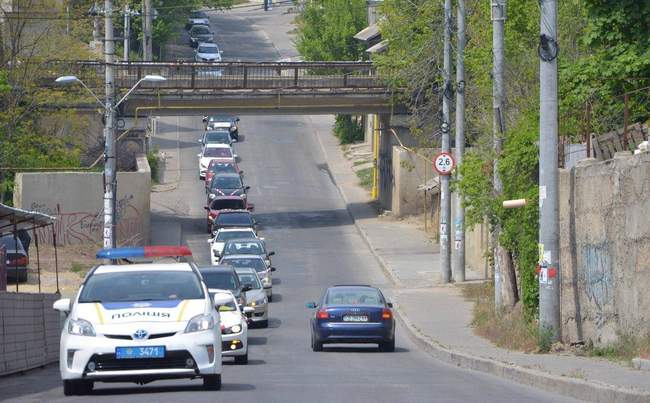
347,129
154,164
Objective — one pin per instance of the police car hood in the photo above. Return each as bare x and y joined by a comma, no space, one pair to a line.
122,317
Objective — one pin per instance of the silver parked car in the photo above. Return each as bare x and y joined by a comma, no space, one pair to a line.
207,52
255,296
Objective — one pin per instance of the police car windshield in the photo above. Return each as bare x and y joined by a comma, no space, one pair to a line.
141,286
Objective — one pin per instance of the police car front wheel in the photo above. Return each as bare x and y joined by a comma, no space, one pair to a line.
212,382
77,387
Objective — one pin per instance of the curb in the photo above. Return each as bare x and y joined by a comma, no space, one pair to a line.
590,391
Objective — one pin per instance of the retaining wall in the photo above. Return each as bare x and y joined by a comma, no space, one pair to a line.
605,253
29,331
76,200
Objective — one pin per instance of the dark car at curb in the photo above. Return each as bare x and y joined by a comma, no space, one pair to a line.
227,184
234,219
16,258
224,278
200,33
221,203
352,314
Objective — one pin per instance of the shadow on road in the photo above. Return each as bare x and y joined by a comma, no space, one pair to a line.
257,340
30,382
356,349
168,389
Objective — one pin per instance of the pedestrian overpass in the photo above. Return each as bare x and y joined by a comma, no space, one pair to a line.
239,87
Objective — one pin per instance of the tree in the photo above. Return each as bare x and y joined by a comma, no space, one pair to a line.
326,30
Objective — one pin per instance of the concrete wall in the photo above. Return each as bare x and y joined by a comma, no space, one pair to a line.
76,199
605,254
29,331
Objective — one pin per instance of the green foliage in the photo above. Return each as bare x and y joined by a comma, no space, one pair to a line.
616,60
365,178
326,30
518,170
154,164
347,129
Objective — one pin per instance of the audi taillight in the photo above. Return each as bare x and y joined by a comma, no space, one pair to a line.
322,314
386,314
21,261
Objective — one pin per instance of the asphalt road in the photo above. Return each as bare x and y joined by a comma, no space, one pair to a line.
306,222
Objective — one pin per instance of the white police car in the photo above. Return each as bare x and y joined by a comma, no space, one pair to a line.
139,323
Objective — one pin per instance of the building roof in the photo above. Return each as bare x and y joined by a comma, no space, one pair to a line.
368,33
23,219
378,48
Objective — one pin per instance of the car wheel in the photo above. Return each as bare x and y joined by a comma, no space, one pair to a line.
212,382
263,323
241,359
22,277
387,346
209,228
316,345
76,387
270,298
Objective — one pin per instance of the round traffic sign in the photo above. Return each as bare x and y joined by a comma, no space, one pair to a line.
444,163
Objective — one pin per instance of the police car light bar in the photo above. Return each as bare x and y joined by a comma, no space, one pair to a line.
143,252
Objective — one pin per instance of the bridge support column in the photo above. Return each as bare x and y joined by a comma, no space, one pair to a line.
385,163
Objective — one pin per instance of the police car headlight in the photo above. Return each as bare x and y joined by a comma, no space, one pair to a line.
80,327
199,323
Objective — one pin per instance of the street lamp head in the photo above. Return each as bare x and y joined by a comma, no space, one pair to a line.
66,80
152,78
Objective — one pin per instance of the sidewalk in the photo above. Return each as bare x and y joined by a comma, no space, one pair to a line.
438,317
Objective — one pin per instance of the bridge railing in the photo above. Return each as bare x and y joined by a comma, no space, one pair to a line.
228,75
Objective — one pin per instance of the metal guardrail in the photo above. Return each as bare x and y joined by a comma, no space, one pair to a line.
225,75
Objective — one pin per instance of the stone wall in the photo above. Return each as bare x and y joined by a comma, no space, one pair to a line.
29,331
605,252
76,200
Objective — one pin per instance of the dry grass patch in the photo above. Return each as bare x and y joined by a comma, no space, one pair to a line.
508,330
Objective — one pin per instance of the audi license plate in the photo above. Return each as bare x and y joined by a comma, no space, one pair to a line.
140,352
355,318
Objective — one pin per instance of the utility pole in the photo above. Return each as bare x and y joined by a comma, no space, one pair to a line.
110,163
127,32
459,220
147,22
498,15
445,199
549,277
95,13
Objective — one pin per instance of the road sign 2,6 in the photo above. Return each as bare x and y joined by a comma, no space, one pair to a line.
444,163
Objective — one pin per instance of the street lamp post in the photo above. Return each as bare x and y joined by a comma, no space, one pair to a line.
110,174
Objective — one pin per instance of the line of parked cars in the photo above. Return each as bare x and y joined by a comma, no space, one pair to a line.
240,260
201,37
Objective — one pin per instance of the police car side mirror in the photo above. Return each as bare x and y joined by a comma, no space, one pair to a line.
62,305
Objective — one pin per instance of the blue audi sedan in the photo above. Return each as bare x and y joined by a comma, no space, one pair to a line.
352,314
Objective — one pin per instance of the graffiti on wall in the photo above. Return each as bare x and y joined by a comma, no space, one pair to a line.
596,277
74,227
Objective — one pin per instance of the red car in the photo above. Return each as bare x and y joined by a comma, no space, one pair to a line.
223,203
218,166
